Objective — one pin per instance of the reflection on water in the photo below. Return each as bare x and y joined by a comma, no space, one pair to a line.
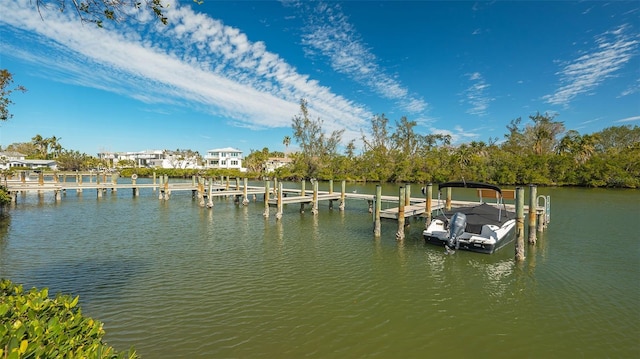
178,280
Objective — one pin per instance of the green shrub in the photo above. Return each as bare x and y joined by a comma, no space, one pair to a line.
32,325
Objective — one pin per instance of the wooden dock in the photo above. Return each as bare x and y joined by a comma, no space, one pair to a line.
207,188
402,206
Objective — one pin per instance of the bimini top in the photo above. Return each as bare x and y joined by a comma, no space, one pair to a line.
465,184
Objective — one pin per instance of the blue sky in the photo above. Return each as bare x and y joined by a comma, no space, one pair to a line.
232,73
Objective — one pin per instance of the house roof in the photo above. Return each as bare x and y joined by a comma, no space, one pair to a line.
35,162
226,149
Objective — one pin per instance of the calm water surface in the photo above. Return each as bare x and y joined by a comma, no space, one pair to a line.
176,280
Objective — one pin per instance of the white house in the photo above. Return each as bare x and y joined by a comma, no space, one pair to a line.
151,158
228,158
15,159
274,163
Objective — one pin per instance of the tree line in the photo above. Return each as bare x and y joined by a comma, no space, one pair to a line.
539,151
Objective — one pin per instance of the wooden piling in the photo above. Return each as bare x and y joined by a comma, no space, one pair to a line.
343,186
114,182
161,187
407,194
314,205
245,199
210,194
134,189
279,202
266,199
447,203
167,191
201,193
401,201
302,194
532,213
427,210
331,192
376,217
519,255
540,222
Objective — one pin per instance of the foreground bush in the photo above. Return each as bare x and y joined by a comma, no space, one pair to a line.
32,325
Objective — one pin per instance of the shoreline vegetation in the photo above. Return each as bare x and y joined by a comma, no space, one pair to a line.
539,152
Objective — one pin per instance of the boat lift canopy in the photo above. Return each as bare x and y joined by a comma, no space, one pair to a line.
465,184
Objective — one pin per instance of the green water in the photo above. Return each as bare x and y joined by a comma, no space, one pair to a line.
176,280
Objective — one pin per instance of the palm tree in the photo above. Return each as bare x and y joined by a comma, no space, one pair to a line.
286,141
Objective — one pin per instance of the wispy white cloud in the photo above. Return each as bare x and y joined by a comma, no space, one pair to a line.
629,119
476,95
631,89
329,33
614,49
195,61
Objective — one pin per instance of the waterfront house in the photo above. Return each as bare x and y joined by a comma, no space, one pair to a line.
153,159
224,158
274,163
14,159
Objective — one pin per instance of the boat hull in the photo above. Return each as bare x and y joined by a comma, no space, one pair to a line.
491,238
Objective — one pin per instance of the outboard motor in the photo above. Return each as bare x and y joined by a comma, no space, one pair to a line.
457,225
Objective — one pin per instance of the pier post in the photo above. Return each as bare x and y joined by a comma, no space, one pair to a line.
266,199
245,200
302,194
314,206
99,191
210,194
154,180
167,191
532,213
401,199
79,182
135,189
407,194
279,202
331,192
447,203
201,191
237,184
58,195
540,222
227,184
114,182
342,195
376,217
161,187
519,224
427,210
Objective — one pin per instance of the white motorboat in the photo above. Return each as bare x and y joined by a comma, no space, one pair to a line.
484,228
